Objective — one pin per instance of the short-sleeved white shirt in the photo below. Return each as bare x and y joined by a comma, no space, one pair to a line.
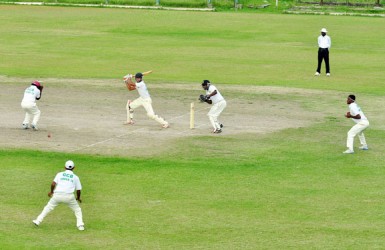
67,182
355,110
215,98
142,89
30,94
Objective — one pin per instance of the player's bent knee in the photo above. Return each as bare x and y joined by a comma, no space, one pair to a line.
152,116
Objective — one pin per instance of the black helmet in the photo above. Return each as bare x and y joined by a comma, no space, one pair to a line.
205,82
138,75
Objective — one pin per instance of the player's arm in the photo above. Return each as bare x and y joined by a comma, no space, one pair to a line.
212,94
38,96
129,83
53,185
357,116
78,193
78,187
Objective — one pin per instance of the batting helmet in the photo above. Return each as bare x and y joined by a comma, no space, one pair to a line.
36,83
138,75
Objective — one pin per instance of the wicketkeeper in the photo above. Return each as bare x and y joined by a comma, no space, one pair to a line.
214,97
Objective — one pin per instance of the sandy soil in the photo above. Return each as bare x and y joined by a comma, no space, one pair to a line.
86,116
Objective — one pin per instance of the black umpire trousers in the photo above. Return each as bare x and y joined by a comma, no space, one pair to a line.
323,54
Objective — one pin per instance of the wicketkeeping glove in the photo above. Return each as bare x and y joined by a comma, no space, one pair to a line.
202,98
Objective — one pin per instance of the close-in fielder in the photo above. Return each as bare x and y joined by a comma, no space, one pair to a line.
28,104
362,123
219,104
144,100
62,191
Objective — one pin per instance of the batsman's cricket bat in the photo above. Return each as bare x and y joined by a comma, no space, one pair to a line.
144,73
147,72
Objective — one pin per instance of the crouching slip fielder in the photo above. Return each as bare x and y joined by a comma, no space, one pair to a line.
144,100
28,104
362,123
219,104
62,191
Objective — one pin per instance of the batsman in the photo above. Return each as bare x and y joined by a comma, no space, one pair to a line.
144,100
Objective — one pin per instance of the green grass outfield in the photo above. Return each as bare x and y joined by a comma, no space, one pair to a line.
291,189
182,47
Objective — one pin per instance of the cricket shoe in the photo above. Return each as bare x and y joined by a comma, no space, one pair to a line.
34,127
364,147
24,126
81,228
327,74
166,125
36,223
217,131
348,151
316,74
129,123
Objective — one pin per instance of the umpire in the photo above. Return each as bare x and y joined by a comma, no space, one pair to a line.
324,44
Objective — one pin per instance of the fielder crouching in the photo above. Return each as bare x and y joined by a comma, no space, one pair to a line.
28,104
62,191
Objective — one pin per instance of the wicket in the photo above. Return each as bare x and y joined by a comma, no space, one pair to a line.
192,111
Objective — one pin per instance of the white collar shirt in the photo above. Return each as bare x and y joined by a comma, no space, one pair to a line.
215,98
324,42
67,182
142,90
355,110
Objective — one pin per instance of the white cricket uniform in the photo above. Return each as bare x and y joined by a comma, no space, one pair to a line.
66,183
144,100
32,112
219,104
361,125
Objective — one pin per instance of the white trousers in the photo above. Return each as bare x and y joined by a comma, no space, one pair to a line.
357,130
214,113
68,199
32,113
147,105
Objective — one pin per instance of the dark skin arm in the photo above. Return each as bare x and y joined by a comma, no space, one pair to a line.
53,185
348,115
41,92
210,95
213,93
78,193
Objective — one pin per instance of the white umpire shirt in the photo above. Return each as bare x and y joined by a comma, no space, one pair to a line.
30,94
355,110
67,182
324,42
142,90
215,98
